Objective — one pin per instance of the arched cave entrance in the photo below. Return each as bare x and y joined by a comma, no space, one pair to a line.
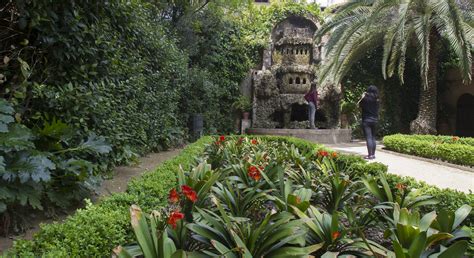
465,116
299,112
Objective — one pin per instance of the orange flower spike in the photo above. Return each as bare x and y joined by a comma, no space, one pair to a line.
401,186
174,217
189,193
254,173
254,141
173,196
455,138
334,154
336,235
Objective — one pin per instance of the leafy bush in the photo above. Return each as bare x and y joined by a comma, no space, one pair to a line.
45,166
109,224
255,209
150,192
116,69
451,149
440,138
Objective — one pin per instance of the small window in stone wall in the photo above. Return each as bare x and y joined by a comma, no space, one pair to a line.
298,81
287,51
306,51
291,80
304,80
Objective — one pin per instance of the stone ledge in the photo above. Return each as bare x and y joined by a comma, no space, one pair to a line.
325,136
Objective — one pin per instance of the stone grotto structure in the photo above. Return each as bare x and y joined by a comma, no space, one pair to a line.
277,89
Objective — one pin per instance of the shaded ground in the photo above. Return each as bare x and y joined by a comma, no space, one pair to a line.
118,183
432,172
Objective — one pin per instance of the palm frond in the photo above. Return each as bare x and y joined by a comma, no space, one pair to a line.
449,22
422,26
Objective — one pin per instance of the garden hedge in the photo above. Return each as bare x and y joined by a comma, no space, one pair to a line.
95,230
447,148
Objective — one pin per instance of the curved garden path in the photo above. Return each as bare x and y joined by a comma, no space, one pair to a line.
432,172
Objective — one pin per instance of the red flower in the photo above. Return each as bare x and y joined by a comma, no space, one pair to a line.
401,186
323,153
455,138
254,141
334,154
254,173
222,138
174,217
217,142
173,196
189,193
336,235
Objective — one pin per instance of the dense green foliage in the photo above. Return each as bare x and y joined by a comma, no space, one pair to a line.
132,72
150,191
357,27
447,148
395,98
47,166
266,198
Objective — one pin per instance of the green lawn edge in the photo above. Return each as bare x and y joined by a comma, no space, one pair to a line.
95,230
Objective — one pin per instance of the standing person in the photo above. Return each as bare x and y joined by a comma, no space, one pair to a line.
312,97
369,103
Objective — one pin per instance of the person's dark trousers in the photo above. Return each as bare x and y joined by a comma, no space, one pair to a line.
369,132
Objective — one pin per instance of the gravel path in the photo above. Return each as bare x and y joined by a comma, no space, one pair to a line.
430,172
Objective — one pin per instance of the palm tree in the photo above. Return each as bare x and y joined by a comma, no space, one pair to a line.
397,25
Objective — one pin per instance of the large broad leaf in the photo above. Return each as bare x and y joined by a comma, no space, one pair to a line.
17,138
96,144
27,167
418,245
6,117
5,107
461,215
457,250
2,164
295,251
79,167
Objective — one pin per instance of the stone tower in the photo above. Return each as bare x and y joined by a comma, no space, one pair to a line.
288,68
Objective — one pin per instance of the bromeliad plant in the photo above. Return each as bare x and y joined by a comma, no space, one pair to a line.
246,198
277,235
415,237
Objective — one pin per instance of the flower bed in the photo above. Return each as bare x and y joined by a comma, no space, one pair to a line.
452,149
249,179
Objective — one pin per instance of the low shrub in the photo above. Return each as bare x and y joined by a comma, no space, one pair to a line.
441,138
97,229
433,147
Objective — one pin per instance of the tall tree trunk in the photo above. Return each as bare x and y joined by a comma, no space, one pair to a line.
425,122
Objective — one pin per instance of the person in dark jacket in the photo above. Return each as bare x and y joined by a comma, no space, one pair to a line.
369,104
312,97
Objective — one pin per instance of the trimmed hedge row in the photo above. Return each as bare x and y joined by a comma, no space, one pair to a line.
97,229
441,138
462,154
